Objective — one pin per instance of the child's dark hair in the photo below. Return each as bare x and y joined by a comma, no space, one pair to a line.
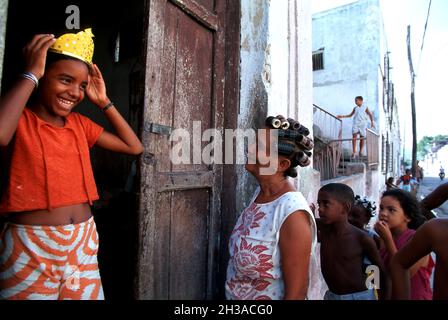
53,57
341,193
359,98
293,142
368,206
410,206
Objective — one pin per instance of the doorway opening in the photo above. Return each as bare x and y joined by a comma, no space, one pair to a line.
118,53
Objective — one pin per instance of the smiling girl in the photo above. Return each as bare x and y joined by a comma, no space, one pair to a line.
48,248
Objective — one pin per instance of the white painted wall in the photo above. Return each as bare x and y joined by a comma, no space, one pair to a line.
302,88
276,75
356,182
288,72
253,95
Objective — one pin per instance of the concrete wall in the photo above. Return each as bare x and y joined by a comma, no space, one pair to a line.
253,96
309,181
3,19
366,183
356,182
374,185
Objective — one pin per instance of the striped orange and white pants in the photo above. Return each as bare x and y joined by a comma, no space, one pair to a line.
50,262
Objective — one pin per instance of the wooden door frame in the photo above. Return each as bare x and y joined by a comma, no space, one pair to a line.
231,105
225,81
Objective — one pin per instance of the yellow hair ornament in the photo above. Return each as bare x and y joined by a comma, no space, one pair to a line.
79,45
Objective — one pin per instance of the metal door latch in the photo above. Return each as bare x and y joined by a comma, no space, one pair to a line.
158,129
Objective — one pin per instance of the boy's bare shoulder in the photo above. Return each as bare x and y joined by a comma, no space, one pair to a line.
358,232
362,236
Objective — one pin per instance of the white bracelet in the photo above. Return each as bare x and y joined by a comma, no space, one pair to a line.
31,77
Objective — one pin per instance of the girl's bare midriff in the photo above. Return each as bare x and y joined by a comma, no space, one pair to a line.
73,214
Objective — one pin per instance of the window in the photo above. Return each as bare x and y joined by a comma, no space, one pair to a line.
318,60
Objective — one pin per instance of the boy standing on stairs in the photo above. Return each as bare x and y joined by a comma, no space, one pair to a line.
360,122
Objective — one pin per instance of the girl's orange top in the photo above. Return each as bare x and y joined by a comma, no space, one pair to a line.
49,167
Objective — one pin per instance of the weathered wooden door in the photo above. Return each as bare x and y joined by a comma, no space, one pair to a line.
180,204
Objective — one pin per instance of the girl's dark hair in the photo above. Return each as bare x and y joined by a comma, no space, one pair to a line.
53,57
368,206
293,142
410,206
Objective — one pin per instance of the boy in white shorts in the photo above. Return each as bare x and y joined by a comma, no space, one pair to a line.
360,122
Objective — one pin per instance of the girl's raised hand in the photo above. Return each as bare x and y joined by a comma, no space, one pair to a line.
96,89
383,230
35,53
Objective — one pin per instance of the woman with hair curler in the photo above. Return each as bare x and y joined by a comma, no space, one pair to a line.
272,244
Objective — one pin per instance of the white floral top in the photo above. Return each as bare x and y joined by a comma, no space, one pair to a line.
254,271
